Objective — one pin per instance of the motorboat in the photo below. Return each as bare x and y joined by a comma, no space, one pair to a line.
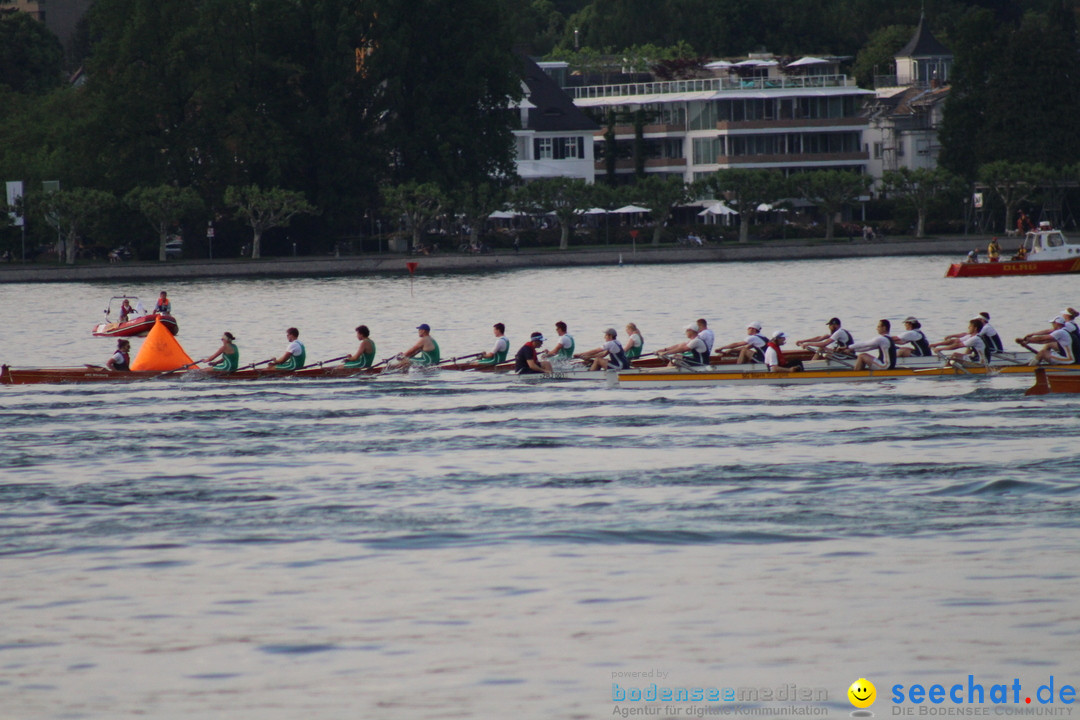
1045,251
137,324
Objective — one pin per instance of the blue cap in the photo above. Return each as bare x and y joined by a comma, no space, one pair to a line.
536,337
424,326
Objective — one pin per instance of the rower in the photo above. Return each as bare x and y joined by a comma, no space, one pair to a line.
365,353
526,362
121,359
229,354
634,342
616,357
883,343
499,350
774,356
706,335
693,350
752,349
913,335
837,340
295,353
990,335
163,307
970,346
1060,346
424,353
564,346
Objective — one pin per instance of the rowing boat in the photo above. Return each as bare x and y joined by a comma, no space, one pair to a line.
1055,380
32,376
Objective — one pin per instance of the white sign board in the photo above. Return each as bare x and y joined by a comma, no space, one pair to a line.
14,192
978,200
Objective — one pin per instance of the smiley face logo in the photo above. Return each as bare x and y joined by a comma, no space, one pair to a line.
862,693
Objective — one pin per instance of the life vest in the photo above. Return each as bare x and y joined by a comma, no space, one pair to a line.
779,354
125,364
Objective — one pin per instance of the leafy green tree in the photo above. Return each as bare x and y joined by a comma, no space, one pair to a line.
744,190
876,57
661,195
831,190
565,197
478,201
417,203
919,189
31,57
266,209
72,211
1014,183
164,206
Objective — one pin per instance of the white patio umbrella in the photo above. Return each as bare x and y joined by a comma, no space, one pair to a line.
625,209
718,209
502,215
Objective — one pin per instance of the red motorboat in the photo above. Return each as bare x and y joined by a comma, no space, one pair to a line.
133,321
1044,252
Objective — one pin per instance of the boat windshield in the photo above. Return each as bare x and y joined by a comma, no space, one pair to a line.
1054,240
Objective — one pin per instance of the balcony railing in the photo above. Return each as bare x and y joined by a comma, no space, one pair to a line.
709,85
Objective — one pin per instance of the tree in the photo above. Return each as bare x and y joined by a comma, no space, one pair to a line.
831,190
265,209
476,202
164,206
31,57
418,203
661,195
1014,183
72,211
744,190
565,197
918,189
877,56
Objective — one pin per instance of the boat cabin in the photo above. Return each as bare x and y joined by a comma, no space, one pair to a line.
1049,244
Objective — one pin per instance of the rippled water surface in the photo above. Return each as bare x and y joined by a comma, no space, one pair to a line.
459,545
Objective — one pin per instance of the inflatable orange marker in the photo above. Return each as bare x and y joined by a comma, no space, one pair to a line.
160,351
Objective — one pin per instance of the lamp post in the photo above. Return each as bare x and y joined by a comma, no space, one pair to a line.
379,224
210,237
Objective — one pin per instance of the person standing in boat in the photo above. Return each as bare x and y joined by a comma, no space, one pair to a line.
837,339
295,353
126,311
121,359
616,357
915,338
499,350
229,354
883,343
993,250
364,356
1060,347
424,353
564,345
163,306
526,362
634,342
693,350
752,349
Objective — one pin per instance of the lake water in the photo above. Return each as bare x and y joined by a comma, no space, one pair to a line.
462,546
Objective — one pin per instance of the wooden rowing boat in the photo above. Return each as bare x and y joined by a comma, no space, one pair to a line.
31,376
1055,380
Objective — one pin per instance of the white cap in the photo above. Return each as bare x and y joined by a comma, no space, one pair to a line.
779,334
910,319
692,327
754,324
1058,319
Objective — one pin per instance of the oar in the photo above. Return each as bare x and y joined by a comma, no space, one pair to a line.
455,359
836,358
170,372
255,364
323,362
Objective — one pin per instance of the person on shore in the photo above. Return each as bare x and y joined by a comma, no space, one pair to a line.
424,353
294,355
993,250
564,345
706,335
526,361
883,343
752,349
121,359
693,350
163,305
229,354
634,342
774,355
364,357
970,346
499,350
616,357
1060,347
914,338
837,340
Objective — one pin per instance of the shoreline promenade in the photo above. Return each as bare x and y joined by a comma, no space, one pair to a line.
368,264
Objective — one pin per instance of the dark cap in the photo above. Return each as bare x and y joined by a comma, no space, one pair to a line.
424,326
833,321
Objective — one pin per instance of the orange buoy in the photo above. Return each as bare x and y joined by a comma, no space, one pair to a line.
160,351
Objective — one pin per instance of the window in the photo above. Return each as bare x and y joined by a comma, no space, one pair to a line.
877,151
565,148
544,149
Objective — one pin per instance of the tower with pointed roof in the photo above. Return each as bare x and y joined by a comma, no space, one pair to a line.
924,61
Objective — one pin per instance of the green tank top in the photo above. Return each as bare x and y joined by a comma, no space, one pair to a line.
229,363
635,352
428,358
499,357
296,361
365,360
566,352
